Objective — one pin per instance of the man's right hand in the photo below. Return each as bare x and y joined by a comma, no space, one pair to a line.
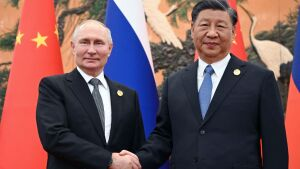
124,161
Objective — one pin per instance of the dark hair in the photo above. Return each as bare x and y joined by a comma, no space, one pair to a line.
214,5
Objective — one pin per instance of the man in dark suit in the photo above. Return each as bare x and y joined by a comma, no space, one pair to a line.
214,113
84,118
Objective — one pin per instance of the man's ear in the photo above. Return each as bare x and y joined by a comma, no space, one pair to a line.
234,29
73,47
192,30
110,49
233,33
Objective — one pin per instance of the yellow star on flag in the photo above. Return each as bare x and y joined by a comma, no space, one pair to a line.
19,37
40,40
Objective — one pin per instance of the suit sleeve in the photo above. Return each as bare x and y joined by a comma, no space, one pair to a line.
139,135
159,145
274,143
56,138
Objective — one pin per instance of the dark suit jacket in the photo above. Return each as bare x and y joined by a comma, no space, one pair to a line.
70,128
245,108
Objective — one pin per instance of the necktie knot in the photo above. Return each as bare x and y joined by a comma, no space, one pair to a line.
209,70
95,82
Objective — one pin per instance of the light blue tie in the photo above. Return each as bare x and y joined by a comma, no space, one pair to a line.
205,90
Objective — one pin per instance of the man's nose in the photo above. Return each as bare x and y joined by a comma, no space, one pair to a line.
91,49
212,32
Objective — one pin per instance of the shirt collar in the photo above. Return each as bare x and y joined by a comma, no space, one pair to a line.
219,66
87,77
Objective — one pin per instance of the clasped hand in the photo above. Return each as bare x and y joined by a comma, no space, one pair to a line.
125,160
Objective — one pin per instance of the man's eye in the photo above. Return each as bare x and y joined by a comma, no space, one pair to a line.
203,25
83,42
99,43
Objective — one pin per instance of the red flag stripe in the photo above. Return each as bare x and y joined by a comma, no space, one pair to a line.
293,109
293,126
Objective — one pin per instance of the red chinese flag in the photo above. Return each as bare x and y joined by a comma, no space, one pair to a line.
36,54
238,47
292,121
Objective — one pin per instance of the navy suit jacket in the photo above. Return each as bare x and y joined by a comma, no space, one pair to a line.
70,128
244,109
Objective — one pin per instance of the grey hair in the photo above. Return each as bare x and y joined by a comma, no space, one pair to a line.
82,24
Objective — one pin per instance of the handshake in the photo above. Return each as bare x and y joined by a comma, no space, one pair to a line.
125,160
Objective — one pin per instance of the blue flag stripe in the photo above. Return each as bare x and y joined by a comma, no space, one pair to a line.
129,65
296,61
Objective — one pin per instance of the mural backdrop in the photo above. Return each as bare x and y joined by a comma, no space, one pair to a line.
268,29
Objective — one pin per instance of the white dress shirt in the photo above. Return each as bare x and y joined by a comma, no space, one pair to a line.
219,69
105,95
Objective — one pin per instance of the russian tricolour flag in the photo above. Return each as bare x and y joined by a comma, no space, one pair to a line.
130,62
293,107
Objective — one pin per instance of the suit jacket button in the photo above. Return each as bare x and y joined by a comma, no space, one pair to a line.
195,160
202,132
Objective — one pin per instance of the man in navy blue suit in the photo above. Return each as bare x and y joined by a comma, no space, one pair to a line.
214,113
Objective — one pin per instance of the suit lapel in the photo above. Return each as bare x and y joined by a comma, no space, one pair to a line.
83,94
116,108
189,80
227,83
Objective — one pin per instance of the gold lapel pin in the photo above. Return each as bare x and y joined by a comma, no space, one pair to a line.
120,93
236,72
